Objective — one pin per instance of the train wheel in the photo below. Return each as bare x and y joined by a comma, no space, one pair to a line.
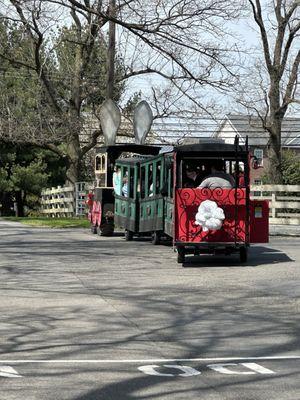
128,235
243,254
106,229
93,229
155,238
180,256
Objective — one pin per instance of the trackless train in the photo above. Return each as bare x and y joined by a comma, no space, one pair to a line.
152,192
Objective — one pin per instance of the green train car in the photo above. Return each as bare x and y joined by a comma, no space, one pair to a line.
101,201
147,204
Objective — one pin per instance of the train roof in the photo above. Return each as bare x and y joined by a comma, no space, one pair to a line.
210,147
130,148
132,160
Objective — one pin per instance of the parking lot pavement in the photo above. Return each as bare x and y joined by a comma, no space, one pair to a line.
84,317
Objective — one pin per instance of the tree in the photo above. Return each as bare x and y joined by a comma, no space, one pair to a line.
277,74
290,167
49,95
182,43
26,180
24,172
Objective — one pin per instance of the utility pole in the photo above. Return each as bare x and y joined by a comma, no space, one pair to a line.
111,51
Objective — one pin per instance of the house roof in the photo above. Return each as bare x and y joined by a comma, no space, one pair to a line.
244,125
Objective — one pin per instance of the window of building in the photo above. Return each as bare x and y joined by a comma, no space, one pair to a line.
257,182
259,156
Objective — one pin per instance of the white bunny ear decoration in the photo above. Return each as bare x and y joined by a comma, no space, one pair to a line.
142,121
110,120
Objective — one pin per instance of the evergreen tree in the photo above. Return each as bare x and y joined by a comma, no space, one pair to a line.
24,172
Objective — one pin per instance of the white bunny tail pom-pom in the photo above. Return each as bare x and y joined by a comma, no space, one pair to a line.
209,216
219,213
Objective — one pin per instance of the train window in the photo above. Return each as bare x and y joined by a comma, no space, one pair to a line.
170,180
131,183
116,181
240,174
124,179
97,163
143,181
158,174
150,180
100,170
228,167
100,163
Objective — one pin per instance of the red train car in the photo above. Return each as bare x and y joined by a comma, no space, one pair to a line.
215,220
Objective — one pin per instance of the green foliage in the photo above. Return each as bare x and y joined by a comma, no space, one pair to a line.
23,102
74,64
27,170
56,167
31,178
5,185
290,167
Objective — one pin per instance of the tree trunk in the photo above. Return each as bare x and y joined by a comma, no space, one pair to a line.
275,125
275,168
72,175
6,204
20,204
73,150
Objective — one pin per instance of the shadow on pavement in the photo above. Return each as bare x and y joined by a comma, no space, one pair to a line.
69,310
257,256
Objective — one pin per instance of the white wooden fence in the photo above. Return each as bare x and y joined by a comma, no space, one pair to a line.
58,202
284,202
64,201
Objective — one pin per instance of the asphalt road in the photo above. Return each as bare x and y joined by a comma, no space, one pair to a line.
88,318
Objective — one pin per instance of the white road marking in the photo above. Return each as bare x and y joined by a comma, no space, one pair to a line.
150,361
9,372
254,369
184,369
150,370
258,368
224,369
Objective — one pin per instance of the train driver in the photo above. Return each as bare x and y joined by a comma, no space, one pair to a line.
218,178
192,178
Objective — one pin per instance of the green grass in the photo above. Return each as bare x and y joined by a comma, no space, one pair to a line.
52,222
